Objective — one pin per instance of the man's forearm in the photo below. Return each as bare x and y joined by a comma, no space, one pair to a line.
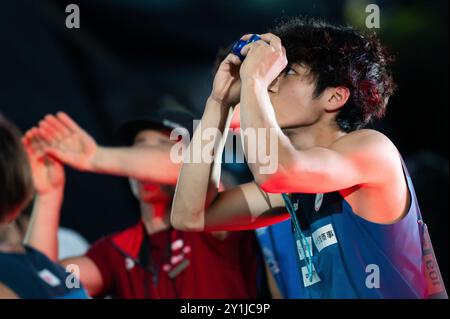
42,232
142,163
199,180
257,113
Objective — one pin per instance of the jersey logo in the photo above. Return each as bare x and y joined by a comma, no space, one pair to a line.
324,237
318,202
179,260
47,276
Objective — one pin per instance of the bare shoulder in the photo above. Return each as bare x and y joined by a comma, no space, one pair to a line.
366,142
365,137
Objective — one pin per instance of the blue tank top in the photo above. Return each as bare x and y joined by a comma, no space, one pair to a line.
32,275
277,245
354,258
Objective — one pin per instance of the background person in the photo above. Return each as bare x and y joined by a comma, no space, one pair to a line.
25,272
149,259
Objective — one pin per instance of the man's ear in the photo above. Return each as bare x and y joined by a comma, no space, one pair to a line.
337,97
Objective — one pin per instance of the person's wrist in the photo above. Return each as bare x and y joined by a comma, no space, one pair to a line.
216,102
52,197
253,82
96,160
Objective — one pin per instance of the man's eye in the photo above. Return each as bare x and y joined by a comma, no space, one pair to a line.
290,71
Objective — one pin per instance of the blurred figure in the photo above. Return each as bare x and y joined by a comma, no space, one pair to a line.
70,242
25,272
149,259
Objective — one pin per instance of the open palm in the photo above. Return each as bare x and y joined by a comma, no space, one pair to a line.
67,142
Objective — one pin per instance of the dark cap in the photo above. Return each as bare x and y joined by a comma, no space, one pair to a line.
163,118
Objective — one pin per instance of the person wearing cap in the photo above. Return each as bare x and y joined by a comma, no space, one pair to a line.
149,259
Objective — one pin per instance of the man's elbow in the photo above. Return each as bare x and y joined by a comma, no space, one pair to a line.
268,183
271,182
264,184
272,179
185,224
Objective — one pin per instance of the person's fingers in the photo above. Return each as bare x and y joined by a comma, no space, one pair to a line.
32,137
245,37
30,143
272,39
233,59
55,133
68,122
246,49
26,137
56,124
49,132
35,145
46,134
26,142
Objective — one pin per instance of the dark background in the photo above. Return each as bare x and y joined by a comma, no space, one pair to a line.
129,55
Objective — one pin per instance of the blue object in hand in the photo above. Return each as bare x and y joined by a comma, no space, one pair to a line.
237,47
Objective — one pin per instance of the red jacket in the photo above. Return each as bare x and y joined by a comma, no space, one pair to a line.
174,264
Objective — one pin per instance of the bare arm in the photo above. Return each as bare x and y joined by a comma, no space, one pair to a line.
48,180
89,274
42,233
69,143
202,207
148,163
198,169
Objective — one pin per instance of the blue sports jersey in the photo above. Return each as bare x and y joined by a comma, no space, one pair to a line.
278,245
355,258
32,275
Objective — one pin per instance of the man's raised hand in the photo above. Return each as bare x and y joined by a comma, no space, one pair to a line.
68,142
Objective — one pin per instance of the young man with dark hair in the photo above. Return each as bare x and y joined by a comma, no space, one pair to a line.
150,259
24,272
312,88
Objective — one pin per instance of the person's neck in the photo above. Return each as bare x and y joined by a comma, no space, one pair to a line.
316,135
149,211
